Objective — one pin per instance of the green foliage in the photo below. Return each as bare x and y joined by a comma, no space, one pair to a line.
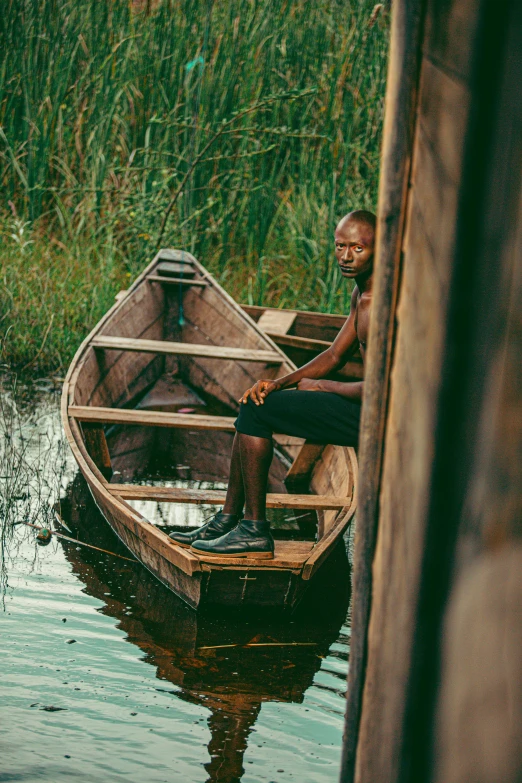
240,130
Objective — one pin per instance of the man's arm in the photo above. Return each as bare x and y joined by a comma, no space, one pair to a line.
320,367
351,390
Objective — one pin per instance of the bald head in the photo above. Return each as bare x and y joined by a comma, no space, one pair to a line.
354,243
361,216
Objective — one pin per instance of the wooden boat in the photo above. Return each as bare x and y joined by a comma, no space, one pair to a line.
302,335
156,383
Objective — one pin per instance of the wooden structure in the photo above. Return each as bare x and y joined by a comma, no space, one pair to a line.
435,683
176,339
303,335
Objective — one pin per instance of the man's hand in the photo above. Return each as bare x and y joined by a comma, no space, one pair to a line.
310,384
259,391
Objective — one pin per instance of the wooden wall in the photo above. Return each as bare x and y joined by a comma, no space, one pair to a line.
436,686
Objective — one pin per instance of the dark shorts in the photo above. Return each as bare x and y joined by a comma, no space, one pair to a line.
320,417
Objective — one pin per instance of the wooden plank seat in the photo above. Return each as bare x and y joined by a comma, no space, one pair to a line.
190,421
287,554
276,321
176,268
306,343
217,497
176,281
108,342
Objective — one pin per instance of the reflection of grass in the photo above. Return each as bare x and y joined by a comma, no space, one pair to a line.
258,123
32,464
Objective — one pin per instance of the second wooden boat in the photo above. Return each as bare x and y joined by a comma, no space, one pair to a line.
148,408
302,335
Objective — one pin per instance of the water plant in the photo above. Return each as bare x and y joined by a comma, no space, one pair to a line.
240,131
34,464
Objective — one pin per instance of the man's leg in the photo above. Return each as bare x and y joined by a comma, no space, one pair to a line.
319,416
226,520
235,499
251,537
256,458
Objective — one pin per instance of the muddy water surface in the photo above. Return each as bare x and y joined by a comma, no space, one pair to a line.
107,676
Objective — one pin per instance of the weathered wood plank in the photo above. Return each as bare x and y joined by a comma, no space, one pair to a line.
307,324
286,556
206,310
175,268
306,343
302,466
330,540
114,508
107,378
470,587
276,321
447,132
184,349
177,281
479,719
148,543
444,348
217,497
449,36
96,445
151,418
398,138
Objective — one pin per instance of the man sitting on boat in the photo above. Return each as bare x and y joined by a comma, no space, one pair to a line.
321,410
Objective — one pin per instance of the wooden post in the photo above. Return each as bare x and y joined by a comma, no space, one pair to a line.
445,577
470,576
399,125
96,445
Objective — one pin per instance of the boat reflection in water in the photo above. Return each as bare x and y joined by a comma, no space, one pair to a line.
230,663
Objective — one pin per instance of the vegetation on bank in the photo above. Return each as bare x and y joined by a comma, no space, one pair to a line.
240,131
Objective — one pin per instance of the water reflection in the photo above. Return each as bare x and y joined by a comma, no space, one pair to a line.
228,664
200,662
35,463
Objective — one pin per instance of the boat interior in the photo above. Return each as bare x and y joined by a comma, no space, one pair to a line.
155,391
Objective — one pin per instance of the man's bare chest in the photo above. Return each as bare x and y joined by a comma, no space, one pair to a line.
362,320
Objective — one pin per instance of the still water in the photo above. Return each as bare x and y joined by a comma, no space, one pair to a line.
106,675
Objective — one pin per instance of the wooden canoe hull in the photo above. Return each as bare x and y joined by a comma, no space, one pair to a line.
102,377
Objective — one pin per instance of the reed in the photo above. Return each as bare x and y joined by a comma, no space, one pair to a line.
240,131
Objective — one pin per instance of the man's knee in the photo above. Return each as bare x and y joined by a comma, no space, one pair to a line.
251,421
247,411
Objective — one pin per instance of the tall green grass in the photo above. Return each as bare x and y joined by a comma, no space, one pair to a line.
239,130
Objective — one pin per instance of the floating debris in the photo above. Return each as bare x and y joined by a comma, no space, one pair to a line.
44,535
75,541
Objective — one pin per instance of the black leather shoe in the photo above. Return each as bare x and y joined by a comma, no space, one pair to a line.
248,539
218,526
